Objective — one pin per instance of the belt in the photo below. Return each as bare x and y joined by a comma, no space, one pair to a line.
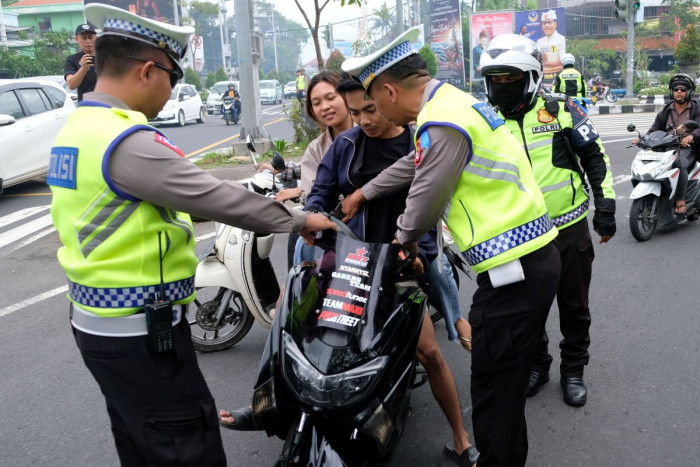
121,326
571,216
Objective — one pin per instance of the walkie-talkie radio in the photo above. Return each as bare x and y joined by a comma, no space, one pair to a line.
159,315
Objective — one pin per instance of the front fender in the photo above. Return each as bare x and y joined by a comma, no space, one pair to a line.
213,273
646,188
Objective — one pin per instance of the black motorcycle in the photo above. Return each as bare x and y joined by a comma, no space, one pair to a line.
339,363
232,110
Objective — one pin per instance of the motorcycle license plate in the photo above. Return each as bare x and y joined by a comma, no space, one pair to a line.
648,155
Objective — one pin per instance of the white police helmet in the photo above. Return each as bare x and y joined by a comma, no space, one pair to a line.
510,54
568,60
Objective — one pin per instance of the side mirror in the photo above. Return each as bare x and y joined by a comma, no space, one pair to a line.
249,143
278,162
691,125
6,120
631,127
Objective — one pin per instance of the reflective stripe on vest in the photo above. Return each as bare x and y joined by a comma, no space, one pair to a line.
570,217
508,240
127,297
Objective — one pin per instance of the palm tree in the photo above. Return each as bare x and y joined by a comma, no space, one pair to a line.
384,20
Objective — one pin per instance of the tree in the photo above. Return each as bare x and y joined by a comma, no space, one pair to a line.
203,16
685,11
48,54
221,74
335,60
688,48
384,20
289,34
429,56
191,77
210,80
591,60
313,27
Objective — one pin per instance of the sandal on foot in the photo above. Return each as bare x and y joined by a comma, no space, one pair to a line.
465,342
243,420
468,458
680,207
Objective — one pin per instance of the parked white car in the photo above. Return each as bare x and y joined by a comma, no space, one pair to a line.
214,98
31,114
58,79
290,90
270,91
184,106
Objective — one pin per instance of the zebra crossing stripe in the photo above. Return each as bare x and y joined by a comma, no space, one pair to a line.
24,230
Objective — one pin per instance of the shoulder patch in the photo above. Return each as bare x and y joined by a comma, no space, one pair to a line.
575,108
422,143
63,166
489,115
166,142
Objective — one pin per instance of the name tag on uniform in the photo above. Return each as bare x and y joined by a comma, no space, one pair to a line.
62,167
508,273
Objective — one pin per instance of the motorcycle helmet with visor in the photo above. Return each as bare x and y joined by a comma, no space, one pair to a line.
681,80
568,60
509,54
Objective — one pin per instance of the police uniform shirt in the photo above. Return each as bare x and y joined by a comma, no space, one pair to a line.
430,192
152,169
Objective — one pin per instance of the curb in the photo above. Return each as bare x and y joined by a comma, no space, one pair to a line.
623,109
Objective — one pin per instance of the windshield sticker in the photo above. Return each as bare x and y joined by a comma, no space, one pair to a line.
346,294
332,317
359,258
356,271
343,306
354,280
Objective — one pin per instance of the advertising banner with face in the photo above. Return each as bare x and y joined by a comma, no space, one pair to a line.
547,27
482,28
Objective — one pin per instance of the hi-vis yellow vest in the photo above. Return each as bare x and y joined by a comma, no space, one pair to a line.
110,240
571,83
301,82
562,186
497,213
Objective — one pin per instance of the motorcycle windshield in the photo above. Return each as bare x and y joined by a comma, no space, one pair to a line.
341,302
659,140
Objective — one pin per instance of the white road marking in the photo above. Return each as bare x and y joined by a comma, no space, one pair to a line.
32,239
24,230
22,214
33,300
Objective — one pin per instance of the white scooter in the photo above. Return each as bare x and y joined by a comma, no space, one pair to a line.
655,180
235,281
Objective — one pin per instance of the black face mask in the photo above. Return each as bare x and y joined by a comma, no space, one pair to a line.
507,96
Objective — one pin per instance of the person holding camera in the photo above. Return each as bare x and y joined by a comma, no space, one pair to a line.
79,69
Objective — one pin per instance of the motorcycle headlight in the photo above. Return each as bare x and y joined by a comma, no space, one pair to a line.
648,167
310,385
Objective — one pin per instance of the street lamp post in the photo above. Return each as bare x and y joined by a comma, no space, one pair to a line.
274,38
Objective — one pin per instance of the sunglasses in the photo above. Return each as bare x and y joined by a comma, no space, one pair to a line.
174,74
680,89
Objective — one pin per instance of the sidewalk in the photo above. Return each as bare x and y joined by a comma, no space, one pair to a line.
646,104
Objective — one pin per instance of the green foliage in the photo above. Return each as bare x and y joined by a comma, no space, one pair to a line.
685,10
652,91
289,39
210,80
335,60
637,86
48,54
297,116
597,61
280,144
688,48
429,57
221,74
191,77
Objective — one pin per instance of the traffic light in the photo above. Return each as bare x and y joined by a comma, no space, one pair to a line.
621,10
636,5
327,37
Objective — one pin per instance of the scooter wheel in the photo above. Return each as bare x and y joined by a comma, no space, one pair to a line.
643,218
208,335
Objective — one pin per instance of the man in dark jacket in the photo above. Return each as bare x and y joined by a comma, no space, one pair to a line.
79,69
681,108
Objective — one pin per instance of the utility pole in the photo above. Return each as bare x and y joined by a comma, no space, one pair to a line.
274,37
176,16
248,71
399,17
3,33
630,49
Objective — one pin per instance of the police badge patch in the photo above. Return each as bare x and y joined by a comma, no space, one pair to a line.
544,117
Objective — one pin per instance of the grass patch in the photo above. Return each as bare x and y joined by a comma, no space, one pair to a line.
225,158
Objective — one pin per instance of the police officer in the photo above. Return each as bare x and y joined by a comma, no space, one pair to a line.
120,193
563,147
300,83
570,81
498,219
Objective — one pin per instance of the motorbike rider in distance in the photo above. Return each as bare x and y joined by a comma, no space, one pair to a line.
670,119
236,101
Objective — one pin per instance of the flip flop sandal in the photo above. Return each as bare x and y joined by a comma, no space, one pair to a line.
679,209
243,420
468,458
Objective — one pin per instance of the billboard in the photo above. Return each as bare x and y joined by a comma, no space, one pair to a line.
446,41
160,10
547,27
482,28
